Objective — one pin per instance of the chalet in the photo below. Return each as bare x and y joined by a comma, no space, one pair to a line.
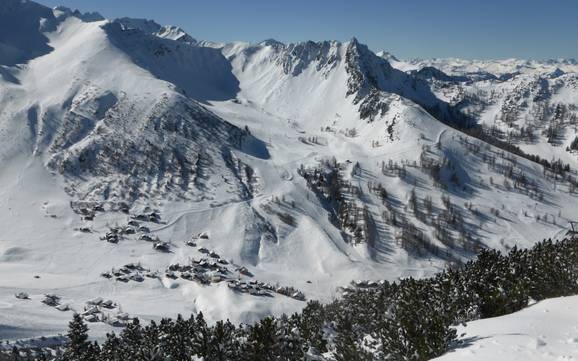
129,230
108,304
91,318
116,323
95,301
22,296
137,277
174,267
161,246
244,271
63,308
123,316
51,300
145,237
141,217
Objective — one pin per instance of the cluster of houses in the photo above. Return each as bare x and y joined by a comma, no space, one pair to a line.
214,269
97,310
204,271
360,284
193,241
93,311
87,210
208,269
290,292
148,215
129,272
253,287
53,300
22,296
257,288
116,233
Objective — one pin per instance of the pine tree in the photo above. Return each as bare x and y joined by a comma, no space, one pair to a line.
223,345
177,339
291,346
262,343
110,348
130,347
347,346
78,344
311,326
201,335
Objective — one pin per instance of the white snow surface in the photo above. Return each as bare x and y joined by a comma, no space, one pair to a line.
547,330
128,110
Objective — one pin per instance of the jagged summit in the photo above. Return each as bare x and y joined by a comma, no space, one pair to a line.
88,17
22,27
387,56
151,27
271,42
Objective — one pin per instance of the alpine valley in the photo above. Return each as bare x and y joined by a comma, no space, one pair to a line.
152,174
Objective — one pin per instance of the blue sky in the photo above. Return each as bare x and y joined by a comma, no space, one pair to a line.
412,28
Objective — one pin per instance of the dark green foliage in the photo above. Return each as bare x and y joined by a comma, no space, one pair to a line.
311,324
348,343
78,348
414,327
262,342
224,345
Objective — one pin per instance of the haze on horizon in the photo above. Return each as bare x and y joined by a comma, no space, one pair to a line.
492,29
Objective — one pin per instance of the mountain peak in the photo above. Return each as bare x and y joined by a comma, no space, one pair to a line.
387,55
63,11
147,26
271,42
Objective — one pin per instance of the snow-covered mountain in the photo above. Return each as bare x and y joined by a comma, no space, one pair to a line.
531,104
302,166
151,27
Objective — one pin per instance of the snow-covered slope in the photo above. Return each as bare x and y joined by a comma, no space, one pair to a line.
315,82
544,331
302,166
531,104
